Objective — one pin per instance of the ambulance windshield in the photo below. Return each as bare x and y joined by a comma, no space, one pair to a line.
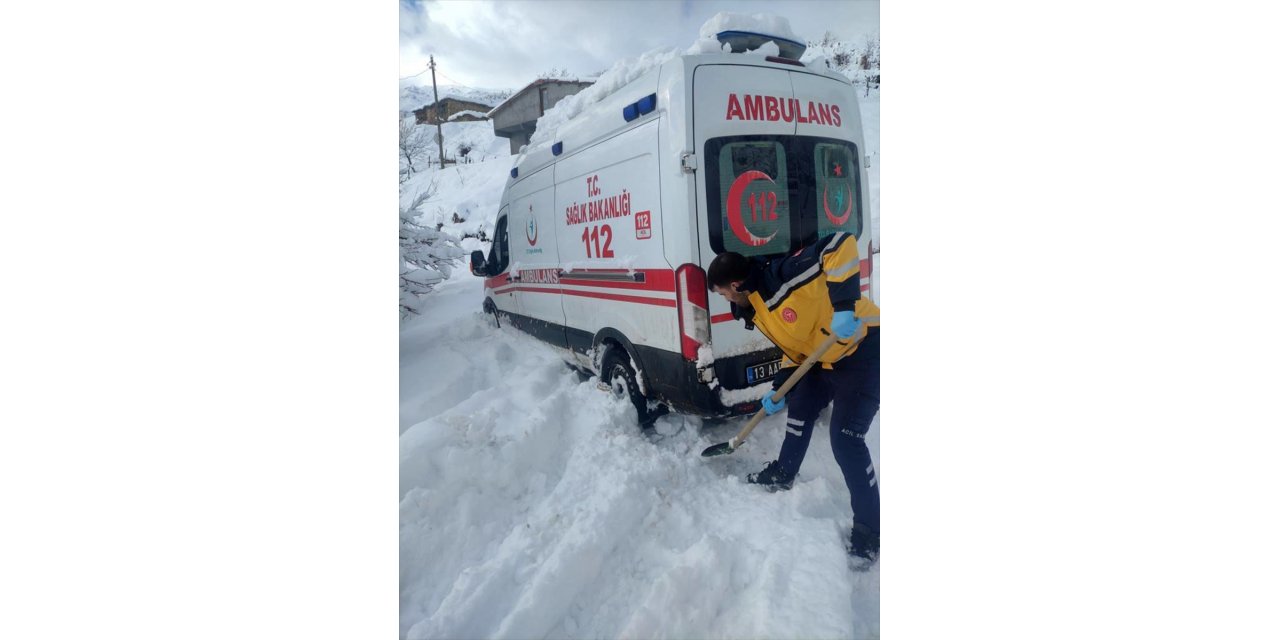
770,195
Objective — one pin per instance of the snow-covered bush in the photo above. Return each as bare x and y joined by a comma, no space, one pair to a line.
427,256
413,144
861,64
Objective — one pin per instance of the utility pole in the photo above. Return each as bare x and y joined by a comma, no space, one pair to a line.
439,116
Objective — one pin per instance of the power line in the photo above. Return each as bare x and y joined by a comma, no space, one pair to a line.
417,74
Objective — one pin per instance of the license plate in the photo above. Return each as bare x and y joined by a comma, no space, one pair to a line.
766,371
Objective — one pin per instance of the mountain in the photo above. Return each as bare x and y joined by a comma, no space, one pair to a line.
416,97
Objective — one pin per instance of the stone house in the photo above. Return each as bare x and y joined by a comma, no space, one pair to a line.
517,117
453,111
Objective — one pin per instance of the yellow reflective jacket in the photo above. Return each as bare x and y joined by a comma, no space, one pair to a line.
793,299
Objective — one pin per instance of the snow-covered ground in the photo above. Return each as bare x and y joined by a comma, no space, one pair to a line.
471,191
532,505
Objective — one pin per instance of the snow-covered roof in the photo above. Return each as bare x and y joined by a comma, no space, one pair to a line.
468,112
537,83
417,96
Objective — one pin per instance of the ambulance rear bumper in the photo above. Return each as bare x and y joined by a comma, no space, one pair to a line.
674,380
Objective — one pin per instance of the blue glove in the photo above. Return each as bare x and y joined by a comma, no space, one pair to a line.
769,407
845,324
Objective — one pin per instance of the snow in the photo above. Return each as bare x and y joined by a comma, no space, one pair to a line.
467,112
616,77
739,396
762,23
472,191
417,96
532,505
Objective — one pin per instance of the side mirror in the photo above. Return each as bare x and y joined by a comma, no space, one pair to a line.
478,267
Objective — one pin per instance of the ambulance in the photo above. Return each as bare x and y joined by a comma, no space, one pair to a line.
604,233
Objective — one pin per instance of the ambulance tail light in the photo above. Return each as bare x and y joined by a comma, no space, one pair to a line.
691,302
867,266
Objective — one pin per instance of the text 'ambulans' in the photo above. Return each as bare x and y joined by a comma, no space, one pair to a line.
773,109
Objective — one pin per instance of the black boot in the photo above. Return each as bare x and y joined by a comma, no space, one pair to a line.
864,546
772,477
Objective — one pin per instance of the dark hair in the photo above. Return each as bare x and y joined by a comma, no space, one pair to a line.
727,267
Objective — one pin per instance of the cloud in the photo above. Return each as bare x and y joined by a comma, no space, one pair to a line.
507,44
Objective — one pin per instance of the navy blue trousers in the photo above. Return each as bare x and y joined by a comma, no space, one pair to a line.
853,389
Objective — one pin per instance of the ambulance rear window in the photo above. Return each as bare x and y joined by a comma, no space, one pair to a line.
771,195
836,188
753,184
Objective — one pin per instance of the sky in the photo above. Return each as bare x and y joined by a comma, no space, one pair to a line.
507,44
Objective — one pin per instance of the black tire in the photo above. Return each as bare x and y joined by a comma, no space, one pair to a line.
492,310
616,371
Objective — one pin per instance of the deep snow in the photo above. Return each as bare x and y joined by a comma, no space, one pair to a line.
533,506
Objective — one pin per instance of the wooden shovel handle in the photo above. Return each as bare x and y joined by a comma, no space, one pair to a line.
786,387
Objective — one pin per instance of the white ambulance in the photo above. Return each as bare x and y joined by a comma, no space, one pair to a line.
604,233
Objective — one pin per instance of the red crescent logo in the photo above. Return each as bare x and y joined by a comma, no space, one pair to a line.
734,209
532,227
831,216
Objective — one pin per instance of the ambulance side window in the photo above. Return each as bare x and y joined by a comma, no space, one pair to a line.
500,252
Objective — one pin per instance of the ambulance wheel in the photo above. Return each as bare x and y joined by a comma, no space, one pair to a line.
492,310
616,371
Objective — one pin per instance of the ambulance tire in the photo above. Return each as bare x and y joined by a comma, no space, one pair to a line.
492,310
616,371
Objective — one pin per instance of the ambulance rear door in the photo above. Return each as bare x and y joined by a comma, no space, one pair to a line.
743,117
834,143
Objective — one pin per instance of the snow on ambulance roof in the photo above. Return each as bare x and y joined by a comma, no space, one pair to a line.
762,23
618,76
627,70
748,32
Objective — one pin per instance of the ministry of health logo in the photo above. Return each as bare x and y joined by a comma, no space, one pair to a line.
531,229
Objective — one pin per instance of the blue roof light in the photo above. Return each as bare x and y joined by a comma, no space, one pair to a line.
515,171
630,112
557,148
740,41
647,103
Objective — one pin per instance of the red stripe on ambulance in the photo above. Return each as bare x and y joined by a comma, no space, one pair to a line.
661,302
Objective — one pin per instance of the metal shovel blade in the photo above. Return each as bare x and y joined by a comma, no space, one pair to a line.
722,449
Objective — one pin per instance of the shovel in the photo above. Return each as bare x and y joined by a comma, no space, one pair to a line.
725,448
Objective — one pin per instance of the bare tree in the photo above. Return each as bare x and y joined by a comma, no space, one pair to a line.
869,62
555,73
412,145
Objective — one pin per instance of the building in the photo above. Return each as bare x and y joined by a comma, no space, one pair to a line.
454,110
517,116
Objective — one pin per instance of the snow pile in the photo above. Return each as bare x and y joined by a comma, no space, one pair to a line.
616,77
467,112
462,199
762,23
531,505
